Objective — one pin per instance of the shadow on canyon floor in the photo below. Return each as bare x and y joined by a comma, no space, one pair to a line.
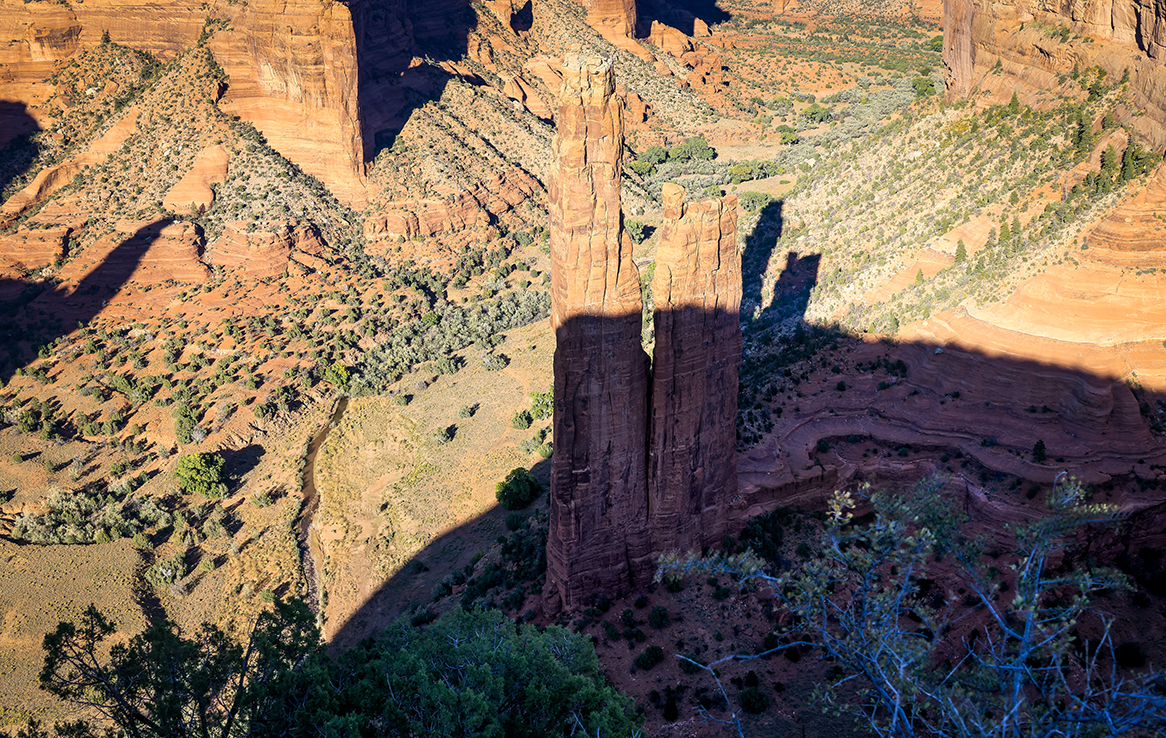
680,14
39,312
906,410
17,147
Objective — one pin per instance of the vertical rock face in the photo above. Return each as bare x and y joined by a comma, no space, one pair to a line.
697,291
611,506
615,16
1120,36
958,49
598,538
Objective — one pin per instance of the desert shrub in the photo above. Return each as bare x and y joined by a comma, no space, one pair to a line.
87,516
521,420
168,571
495,362
459,326
659,617
651,656
635,230
519,489
201,474
542,404
753,700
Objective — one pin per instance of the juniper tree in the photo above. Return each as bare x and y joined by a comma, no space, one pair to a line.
861,600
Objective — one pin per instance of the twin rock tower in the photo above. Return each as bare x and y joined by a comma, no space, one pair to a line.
645,451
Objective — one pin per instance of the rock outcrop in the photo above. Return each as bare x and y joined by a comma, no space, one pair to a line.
633,476
612,17
265,254
34,249
194,189
598,539
697,293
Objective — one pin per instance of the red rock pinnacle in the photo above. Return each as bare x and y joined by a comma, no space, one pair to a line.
598,538
692,468
610,508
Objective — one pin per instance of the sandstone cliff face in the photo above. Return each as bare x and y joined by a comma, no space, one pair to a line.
302,71
598,539
697,291
1126,34
616,17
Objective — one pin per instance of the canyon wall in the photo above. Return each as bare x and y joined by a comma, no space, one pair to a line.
612,17
697,293
598,538
312,75
638,468
1024,37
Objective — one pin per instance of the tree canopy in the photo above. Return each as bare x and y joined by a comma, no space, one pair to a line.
201,474
470,673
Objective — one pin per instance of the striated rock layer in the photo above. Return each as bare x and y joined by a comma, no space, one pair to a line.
598,538
1021,36
697,291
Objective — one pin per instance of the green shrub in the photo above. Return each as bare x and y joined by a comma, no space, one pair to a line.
518,490
521,420
651,656
659,617
753,700
201,474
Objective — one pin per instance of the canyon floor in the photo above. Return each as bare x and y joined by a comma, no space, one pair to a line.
931,288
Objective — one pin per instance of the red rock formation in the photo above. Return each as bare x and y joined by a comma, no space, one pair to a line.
616,17
697,290
451,210
266,253
598,539
958,49
194,189
34,249
149,253
609,510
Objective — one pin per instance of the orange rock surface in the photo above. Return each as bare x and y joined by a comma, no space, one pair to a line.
263,254
1124,34
193,190
34,249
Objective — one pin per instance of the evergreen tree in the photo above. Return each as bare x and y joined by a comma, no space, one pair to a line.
961,252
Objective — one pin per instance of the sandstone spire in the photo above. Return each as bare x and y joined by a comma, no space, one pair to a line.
598,538
959,51
697,290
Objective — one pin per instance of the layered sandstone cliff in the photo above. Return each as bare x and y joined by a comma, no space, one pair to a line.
598,539
316,77
1024,38
697,292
